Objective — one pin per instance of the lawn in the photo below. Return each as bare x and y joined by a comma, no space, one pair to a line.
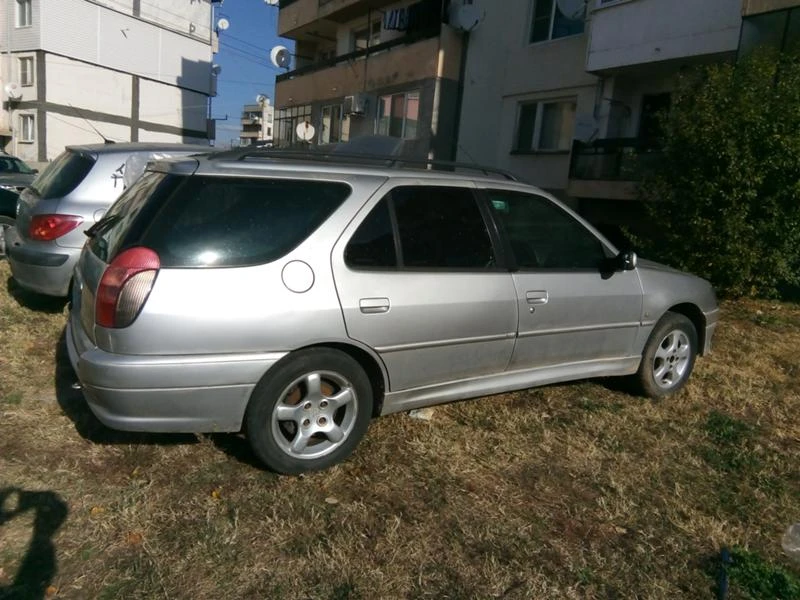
568,491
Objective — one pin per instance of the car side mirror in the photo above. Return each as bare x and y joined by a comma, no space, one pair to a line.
626,261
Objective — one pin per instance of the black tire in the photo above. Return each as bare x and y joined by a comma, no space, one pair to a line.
294,415
668,357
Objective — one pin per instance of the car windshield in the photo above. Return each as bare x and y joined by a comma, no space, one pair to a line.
10,164
63,175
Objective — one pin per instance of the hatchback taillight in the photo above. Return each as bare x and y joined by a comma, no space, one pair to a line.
46,228
125,286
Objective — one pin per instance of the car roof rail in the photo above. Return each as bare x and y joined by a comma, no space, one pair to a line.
391,161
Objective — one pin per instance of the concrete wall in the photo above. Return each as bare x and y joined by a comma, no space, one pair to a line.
503,69
101,36
645,31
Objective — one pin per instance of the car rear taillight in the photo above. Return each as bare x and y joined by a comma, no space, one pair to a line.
46,228
125,286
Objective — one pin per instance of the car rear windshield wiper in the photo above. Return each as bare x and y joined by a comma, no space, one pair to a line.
103,224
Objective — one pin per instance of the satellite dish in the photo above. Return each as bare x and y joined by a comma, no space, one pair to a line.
305,131
572,9
465,17
280,57
223,24
13,91
216,69
261,99
271,2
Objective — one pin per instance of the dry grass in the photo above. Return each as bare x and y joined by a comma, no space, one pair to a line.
574,491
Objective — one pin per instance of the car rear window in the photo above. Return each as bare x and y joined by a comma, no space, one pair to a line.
203,221
63,175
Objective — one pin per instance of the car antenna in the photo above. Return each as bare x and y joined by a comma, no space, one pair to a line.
88,122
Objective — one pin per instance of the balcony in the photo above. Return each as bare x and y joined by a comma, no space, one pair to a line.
610,168
297,16
640,32
410,58
256,134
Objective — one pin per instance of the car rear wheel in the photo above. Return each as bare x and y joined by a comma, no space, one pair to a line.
309,412
668,357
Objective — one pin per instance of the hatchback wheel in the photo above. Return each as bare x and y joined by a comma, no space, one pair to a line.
668,357
310,411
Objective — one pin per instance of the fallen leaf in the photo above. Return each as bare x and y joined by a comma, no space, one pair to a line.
216,493
97,510
135,472
331,500
50,591
134,538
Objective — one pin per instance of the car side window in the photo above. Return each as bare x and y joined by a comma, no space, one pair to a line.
436,227
544,236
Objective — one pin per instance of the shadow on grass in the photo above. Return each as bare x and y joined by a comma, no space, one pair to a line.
89,427
39,565
34,301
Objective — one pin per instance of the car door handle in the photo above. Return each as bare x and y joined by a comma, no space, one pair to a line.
370,306
537,297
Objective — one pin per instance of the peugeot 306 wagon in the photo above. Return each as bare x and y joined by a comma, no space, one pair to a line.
294,297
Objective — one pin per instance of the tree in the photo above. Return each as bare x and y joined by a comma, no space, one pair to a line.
726,195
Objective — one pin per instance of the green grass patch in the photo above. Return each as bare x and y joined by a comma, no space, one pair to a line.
752,577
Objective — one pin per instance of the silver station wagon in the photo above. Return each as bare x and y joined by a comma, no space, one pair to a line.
295,296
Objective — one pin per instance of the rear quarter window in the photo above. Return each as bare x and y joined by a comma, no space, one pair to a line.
225,221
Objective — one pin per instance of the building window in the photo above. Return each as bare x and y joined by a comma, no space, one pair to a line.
779,30
546,126
24,13
25,128
398,115
26,70
286,123
367,37
331,130
548,22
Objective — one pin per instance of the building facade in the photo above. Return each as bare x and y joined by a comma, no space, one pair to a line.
566,93
371,67
77,71
257,123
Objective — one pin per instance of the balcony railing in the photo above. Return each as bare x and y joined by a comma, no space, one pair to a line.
613,159
344,58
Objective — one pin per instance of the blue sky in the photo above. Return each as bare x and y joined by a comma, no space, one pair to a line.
244,57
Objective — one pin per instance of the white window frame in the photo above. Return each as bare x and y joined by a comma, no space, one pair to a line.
322,133
25,135
552,22
29,81
373,31
536,140
417,93
24,13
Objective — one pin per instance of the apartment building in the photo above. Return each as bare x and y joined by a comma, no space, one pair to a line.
74,71
370,67
566,92
257,123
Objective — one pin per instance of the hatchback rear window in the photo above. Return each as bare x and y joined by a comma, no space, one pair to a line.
226,221
63,175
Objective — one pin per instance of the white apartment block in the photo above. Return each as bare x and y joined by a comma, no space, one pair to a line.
257,123
537,79
133,70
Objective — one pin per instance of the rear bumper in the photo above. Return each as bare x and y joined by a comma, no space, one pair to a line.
39,270
196,393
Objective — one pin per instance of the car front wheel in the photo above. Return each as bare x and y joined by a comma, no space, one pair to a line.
309,412
668,357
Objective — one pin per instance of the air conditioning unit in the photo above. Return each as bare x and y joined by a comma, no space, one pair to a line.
356,104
